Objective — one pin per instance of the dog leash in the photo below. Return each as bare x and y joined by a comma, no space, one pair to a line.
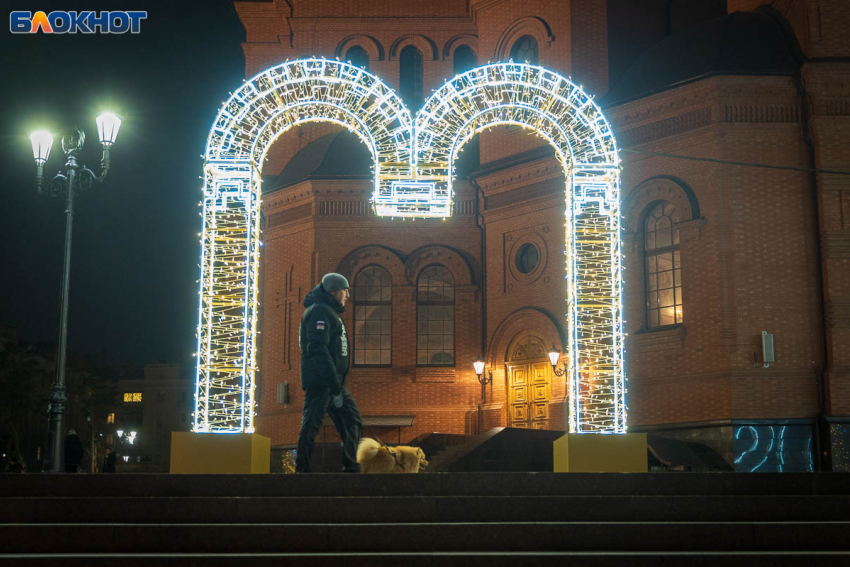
393,453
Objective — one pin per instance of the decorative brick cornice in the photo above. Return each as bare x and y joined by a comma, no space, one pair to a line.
344,208
762,113
664,128
289,215
838,314
838,106
835,245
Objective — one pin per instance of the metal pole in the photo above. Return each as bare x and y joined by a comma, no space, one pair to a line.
56,423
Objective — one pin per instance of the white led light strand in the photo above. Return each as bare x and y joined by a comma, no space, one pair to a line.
408,183
559,111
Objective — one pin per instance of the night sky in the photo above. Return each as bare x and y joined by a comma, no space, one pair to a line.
135,250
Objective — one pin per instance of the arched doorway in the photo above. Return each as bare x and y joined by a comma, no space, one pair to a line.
529,382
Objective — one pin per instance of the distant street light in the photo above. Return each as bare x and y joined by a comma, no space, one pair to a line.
75,179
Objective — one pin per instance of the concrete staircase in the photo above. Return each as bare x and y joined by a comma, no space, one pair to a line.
468,519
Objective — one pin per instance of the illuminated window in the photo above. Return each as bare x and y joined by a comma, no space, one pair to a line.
464,59
410,77
132,397
435,318
663,267
110,418
373,294
358,57
525,50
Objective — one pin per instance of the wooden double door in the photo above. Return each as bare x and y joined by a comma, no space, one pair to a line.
529,394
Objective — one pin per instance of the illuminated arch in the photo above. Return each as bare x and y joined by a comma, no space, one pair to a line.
265,107
559,111
413,170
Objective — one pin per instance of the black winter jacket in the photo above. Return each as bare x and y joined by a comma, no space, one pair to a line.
324,342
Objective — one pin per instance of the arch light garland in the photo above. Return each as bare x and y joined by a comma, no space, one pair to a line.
413,174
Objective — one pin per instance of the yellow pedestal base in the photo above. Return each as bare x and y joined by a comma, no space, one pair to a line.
592,452
219,453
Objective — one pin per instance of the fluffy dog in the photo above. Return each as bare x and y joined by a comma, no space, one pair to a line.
375,457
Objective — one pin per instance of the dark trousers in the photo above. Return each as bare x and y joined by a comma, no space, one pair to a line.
347,420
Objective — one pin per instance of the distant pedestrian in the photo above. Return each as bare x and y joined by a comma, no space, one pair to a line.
109,462
73,452
14,466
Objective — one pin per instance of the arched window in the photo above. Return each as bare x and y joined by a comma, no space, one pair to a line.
358,57
663,267
525,50
464,59
410,77
435,317
373,296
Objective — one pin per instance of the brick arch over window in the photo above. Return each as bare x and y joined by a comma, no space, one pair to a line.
425,45
382,256
452,259
461,39
663,188
528,319
529,25
372,46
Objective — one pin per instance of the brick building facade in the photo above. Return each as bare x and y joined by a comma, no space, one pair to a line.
714,253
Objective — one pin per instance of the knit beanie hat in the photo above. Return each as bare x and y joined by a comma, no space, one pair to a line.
334,282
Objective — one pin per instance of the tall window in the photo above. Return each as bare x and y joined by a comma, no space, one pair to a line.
410,77
358,57
373,295
525,49
464,59
435,317
663,267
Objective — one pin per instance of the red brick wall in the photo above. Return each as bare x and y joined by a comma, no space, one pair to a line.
749,258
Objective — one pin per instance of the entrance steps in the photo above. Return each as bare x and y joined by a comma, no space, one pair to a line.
657,519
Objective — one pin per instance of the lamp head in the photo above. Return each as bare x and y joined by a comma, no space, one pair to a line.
478,364
73,142
42,141
120,432
107,127
554,355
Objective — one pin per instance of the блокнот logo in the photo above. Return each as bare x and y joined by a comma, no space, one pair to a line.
76,22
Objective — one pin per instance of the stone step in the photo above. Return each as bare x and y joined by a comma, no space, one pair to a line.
359,509
437,484
446,559
403,538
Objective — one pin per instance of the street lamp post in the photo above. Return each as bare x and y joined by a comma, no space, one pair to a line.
76,178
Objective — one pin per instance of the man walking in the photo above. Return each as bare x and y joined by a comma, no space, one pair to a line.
324,368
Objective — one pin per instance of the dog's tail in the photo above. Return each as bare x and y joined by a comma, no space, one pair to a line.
367,450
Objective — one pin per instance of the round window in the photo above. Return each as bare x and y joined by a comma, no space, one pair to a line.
527,258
